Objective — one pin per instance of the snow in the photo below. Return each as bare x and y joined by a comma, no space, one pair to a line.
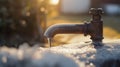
70,55
88,55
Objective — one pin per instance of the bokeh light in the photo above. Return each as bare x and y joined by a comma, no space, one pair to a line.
54,2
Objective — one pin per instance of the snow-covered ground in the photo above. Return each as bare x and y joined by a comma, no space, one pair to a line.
71,55
90,56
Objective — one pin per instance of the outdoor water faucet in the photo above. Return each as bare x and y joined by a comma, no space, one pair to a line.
94,28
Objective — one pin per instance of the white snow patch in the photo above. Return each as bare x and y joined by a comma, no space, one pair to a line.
69,55
88,54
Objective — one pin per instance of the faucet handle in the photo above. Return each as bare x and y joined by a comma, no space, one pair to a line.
96,11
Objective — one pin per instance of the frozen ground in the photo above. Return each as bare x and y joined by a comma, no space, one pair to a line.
90,56
71,55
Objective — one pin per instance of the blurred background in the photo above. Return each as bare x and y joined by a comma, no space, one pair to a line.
77,11
26,20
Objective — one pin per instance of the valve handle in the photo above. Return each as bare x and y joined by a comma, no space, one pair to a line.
96,13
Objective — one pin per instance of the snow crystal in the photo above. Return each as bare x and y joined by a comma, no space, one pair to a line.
69,55
34,57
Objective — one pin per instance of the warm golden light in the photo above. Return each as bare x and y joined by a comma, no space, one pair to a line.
54,2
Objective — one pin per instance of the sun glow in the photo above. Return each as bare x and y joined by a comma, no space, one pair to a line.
54,2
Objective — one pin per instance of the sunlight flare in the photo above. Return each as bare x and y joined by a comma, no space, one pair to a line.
54,2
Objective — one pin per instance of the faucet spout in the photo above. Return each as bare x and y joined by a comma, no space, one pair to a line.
64,29
94,28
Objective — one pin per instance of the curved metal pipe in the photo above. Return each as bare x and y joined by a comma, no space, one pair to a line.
94,28
64,29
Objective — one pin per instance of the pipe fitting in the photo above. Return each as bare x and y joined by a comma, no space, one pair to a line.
94,28
64,29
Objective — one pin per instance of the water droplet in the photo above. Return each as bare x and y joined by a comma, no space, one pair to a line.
50,42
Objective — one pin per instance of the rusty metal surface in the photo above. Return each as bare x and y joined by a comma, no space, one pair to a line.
94,28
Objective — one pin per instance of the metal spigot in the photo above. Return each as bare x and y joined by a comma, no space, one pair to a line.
94,28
